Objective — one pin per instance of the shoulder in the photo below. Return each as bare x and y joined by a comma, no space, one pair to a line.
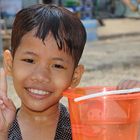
14,131
64,118
63,131
64,111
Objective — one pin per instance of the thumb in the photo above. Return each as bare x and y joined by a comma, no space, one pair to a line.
9,104
3,83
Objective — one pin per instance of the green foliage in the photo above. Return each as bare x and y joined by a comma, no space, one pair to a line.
71,3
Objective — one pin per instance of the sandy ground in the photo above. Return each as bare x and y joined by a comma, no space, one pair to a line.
107,62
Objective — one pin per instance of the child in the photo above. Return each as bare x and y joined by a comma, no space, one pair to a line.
46,45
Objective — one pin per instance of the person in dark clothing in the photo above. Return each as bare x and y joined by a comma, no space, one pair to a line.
47,1
46,45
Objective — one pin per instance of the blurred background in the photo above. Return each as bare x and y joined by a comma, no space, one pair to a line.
112,51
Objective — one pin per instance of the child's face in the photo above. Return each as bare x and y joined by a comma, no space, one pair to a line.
41,72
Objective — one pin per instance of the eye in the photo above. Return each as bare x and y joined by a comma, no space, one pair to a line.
28,60
58,66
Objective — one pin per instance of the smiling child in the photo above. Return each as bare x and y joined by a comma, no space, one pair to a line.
46,45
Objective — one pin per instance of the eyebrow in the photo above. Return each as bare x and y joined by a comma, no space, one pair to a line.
30,53
58,58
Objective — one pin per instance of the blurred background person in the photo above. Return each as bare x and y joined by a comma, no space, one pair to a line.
47,1
133,7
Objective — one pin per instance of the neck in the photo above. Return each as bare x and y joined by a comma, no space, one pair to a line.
36,117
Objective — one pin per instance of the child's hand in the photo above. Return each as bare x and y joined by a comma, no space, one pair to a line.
7,108
127,84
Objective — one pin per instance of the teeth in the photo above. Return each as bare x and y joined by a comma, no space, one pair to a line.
35,91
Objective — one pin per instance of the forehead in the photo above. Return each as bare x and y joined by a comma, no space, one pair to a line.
32,38
30,42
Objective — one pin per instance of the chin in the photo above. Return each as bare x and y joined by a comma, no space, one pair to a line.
41,107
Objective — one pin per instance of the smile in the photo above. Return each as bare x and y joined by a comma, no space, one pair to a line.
36,91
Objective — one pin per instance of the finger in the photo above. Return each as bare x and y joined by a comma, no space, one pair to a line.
122,84
3,83
132,84
127,84
138,84
1,120
9,103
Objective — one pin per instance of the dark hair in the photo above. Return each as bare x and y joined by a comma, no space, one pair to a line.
64,25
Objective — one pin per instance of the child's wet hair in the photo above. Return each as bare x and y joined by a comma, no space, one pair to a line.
65,26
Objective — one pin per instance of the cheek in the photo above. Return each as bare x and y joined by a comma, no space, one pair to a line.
20,70
62,83
19,74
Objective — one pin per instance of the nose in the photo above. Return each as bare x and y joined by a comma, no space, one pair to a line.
41,75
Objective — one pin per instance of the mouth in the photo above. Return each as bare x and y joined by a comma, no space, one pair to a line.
37,93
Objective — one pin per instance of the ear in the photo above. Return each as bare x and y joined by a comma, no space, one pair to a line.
8,59
77,76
